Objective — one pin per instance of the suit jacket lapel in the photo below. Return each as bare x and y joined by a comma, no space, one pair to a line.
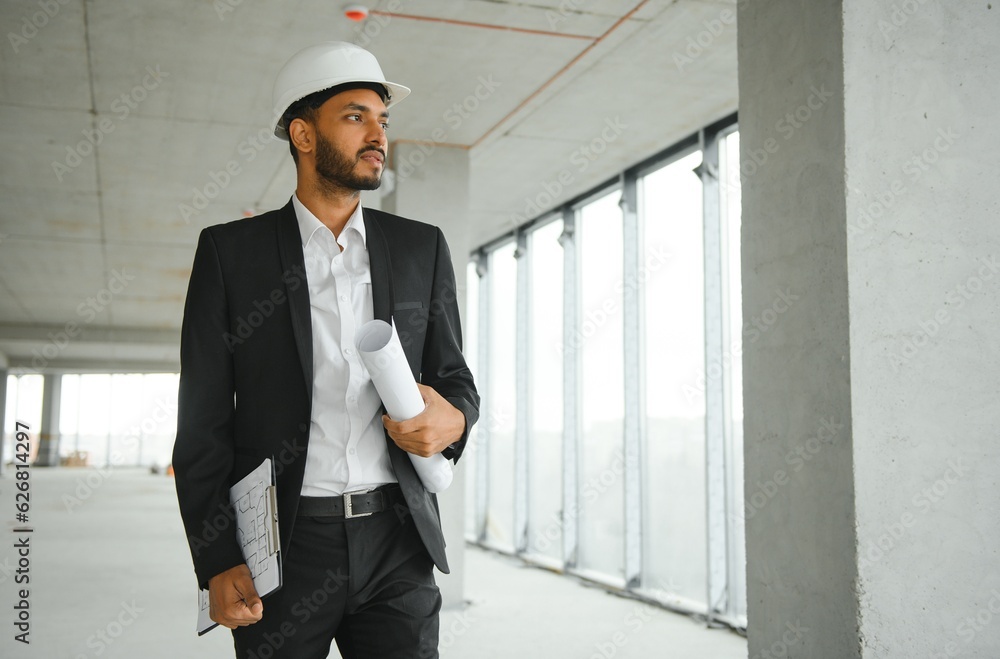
297,287
382,302
378,261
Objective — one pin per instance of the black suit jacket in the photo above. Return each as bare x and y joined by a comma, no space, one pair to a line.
246,368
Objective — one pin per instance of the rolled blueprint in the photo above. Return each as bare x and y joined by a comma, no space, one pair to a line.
382,354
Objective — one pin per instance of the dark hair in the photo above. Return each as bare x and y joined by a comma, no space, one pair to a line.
305,108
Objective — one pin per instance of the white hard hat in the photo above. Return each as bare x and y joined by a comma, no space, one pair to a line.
324,66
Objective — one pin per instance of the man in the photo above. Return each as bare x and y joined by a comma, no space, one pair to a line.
269,369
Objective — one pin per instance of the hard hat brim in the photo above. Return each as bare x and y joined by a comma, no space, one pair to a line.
397,93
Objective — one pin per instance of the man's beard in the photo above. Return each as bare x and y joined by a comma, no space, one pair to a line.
336,171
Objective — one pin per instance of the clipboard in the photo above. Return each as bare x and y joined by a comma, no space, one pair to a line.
255,502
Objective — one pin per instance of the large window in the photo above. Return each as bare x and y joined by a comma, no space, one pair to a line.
470,345
120,419
732,367
613,387
545,367
599,340
24,404
501,403
670,204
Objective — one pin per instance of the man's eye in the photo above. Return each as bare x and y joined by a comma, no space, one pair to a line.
385,126
354,116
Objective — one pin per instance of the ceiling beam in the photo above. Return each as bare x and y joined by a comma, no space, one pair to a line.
78,334
24,366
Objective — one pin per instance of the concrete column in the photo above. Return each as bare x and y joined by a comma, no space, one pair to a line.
48,434
871,282
431,184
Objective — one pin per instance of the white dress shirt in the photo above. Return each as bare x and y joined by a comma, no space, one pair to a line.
347,450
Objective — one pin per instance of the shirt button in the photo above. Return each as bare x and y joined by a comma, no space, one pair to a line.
348,351
351,451
343,298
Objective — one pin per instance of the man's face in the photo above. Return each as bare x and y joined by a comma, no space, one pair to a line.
350,140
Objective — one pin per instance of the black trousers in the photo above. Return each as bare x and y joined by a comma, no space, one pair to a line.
366,582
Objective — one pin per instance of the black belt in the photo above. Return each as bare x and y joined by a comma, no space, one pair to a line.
357,504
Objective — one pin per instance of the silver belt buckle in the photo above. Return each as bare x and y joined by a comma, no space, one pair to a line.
349,506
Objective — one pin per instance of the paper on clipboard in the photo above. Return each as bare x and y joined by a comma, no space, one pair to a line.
382,354
255,503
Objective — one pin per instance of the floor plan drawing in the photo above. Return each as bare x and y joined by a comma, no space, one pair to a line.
255,506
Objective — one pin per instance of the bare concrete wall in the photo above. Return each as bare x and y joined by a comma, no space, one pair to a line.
923,85
869,146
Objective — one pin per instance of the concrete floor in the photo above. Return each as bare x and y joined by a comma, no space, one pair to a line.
110,576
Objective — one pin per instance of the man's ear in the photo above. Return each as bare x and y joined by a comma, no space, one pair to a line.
300,133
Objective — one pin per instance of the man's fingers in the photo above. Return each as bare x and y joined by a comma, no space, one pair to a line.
250,600
402,427
418,443
432,430
237,614
428,393
233,598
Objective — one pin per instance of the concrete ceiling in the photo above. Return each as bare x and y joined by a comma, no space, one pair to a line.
96,241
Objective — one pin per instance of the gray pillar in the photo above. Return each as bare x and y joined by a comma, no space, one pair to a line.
432,185
48,434
870,282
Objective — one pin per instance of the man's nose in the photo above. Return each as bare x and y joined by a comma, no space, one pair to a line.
378,136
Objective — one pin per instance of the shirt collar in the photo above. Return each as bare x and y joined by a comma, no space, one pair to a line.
309,224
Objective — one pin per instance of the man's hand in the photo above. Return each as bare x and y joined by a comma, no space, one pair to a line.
439,426
233,600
